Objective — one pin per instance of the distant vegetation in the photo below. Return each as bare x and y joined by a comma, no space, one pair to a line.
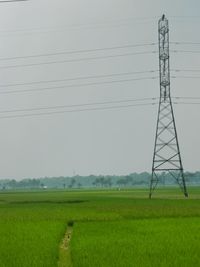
93,181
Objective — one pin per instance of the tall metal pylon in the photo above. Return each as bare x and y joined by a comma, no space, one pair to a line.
166,157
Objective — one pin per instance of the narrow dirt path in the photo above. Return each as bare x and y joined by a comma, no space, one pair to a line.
64,249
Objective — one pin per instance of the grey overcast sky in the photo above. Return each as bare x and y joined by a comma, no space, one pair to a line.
116,141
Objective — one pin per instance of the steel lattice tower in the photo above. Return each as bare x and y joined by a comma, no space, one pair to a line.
166,156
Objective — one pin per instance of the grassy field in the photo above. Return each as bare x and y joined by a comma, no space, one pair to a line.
111,228
143,242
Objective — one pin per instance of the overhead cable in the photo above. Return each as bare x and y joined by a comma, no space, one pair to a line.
185,70
187,103
76,85
185,43
92,25
186,97
78,51
185,51
77,60
79,78
76,110
78,105
185,77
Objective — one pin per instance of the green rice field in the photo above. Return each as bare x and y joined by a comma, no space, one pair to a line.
104,228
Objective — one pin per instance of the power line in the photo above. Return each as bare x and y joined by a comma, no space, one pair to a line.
186,77
76,85
97,103
185,51
78,105
185,43
186,97
92,25
187,103
78,51
80,78
88,109
185,70
10,33
76,110
77,60
93,50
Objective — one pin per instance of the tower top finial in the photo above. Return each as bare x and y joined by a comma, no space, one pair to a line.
163,16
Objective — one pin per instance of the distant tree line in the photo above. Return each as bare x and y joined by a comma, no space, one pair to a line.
93,181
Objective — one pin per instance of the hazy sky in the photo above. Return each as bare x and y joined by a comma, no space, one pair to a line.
93,142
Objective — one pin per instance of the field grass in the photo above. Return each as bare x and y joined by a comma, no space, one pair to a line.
112,228
144,242
30,244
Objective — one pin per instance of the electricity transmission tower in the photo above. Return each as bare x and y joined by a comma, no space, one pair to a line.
166,156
